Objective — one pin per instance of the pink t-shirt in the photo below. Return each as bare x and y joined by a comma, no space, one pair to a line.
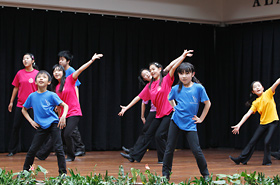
153,108
158,95
25,81
69,96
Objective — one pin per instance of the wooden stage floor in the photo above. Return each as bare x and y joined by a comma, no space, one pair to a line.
184,165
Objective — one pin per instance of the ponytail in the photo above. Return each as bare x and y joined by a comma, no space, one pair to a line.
253,96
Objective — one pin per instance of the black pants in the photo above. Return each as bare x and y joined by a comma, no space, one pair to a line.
151,116
71,124
158,129
38,140
19,120
77,139
248,151
193,141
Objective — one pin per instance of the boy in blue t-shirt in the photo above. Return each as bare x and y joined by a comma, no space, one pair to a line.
45,120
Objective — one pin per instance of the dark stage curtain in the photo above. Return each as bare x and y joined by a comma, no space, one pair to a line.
128,44
244,53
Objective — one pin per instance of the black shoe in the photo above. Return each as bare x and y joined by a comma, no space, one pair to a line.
235,160
40,158
160,162
80,153
126,150
267,164
127,156
69,159
275,155
10,154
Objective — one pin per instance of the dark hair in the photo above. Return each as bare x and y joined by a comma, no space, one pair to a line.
44,72
66,54
252,95
55,81
161,73
188,68
142,82
33,58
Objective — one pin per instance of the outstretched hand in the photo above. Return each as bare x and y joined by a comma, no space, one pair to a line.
96,56
188,53
124,108
235,129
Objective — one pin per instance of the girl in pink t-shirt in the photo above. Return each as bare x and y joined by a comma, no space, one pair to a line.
65,89
156,91
24,84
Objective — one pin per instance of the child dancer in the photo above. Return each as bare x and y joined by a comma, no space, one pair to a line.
188,94
65,88
144,78
156,91
65,57
265,105
45,120
24,84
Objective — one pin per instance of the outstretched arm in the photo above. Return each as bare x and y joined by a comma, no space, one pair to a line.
167,68
86,65
244,118
275,85
179,60
14,93
125,108
29,119
204,112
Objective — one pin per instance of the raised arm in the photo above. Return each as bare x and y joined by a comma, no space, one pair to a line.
62,121
29,119
178,61
275,85
86,65
14,93
244,118
204,112
125,108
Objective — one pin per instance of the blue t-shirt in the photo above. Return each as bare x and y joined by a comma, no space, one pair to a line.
43,105
68,72
187,105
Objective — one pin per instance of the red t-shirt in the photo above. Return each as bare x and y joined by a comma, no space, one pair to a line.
25,81
69,96
158,95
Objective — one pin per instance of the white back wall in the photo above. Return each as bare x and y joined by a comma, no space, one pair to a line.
185,10
250,10
202,11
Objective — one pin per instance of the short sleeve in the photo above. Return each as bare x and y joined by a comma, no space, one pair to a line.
27,103
145,93
168,79
145,102
203,95
16,80
254,107
56,99
171,95
270,93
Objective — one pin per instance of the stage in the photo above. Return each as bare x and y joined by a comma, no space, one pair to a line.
184,165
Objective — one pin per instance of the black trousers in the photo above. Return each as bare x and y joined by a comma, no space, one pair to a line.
158,129
38,140
19,120
248,151
193,141
79,146
151,116
71,124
